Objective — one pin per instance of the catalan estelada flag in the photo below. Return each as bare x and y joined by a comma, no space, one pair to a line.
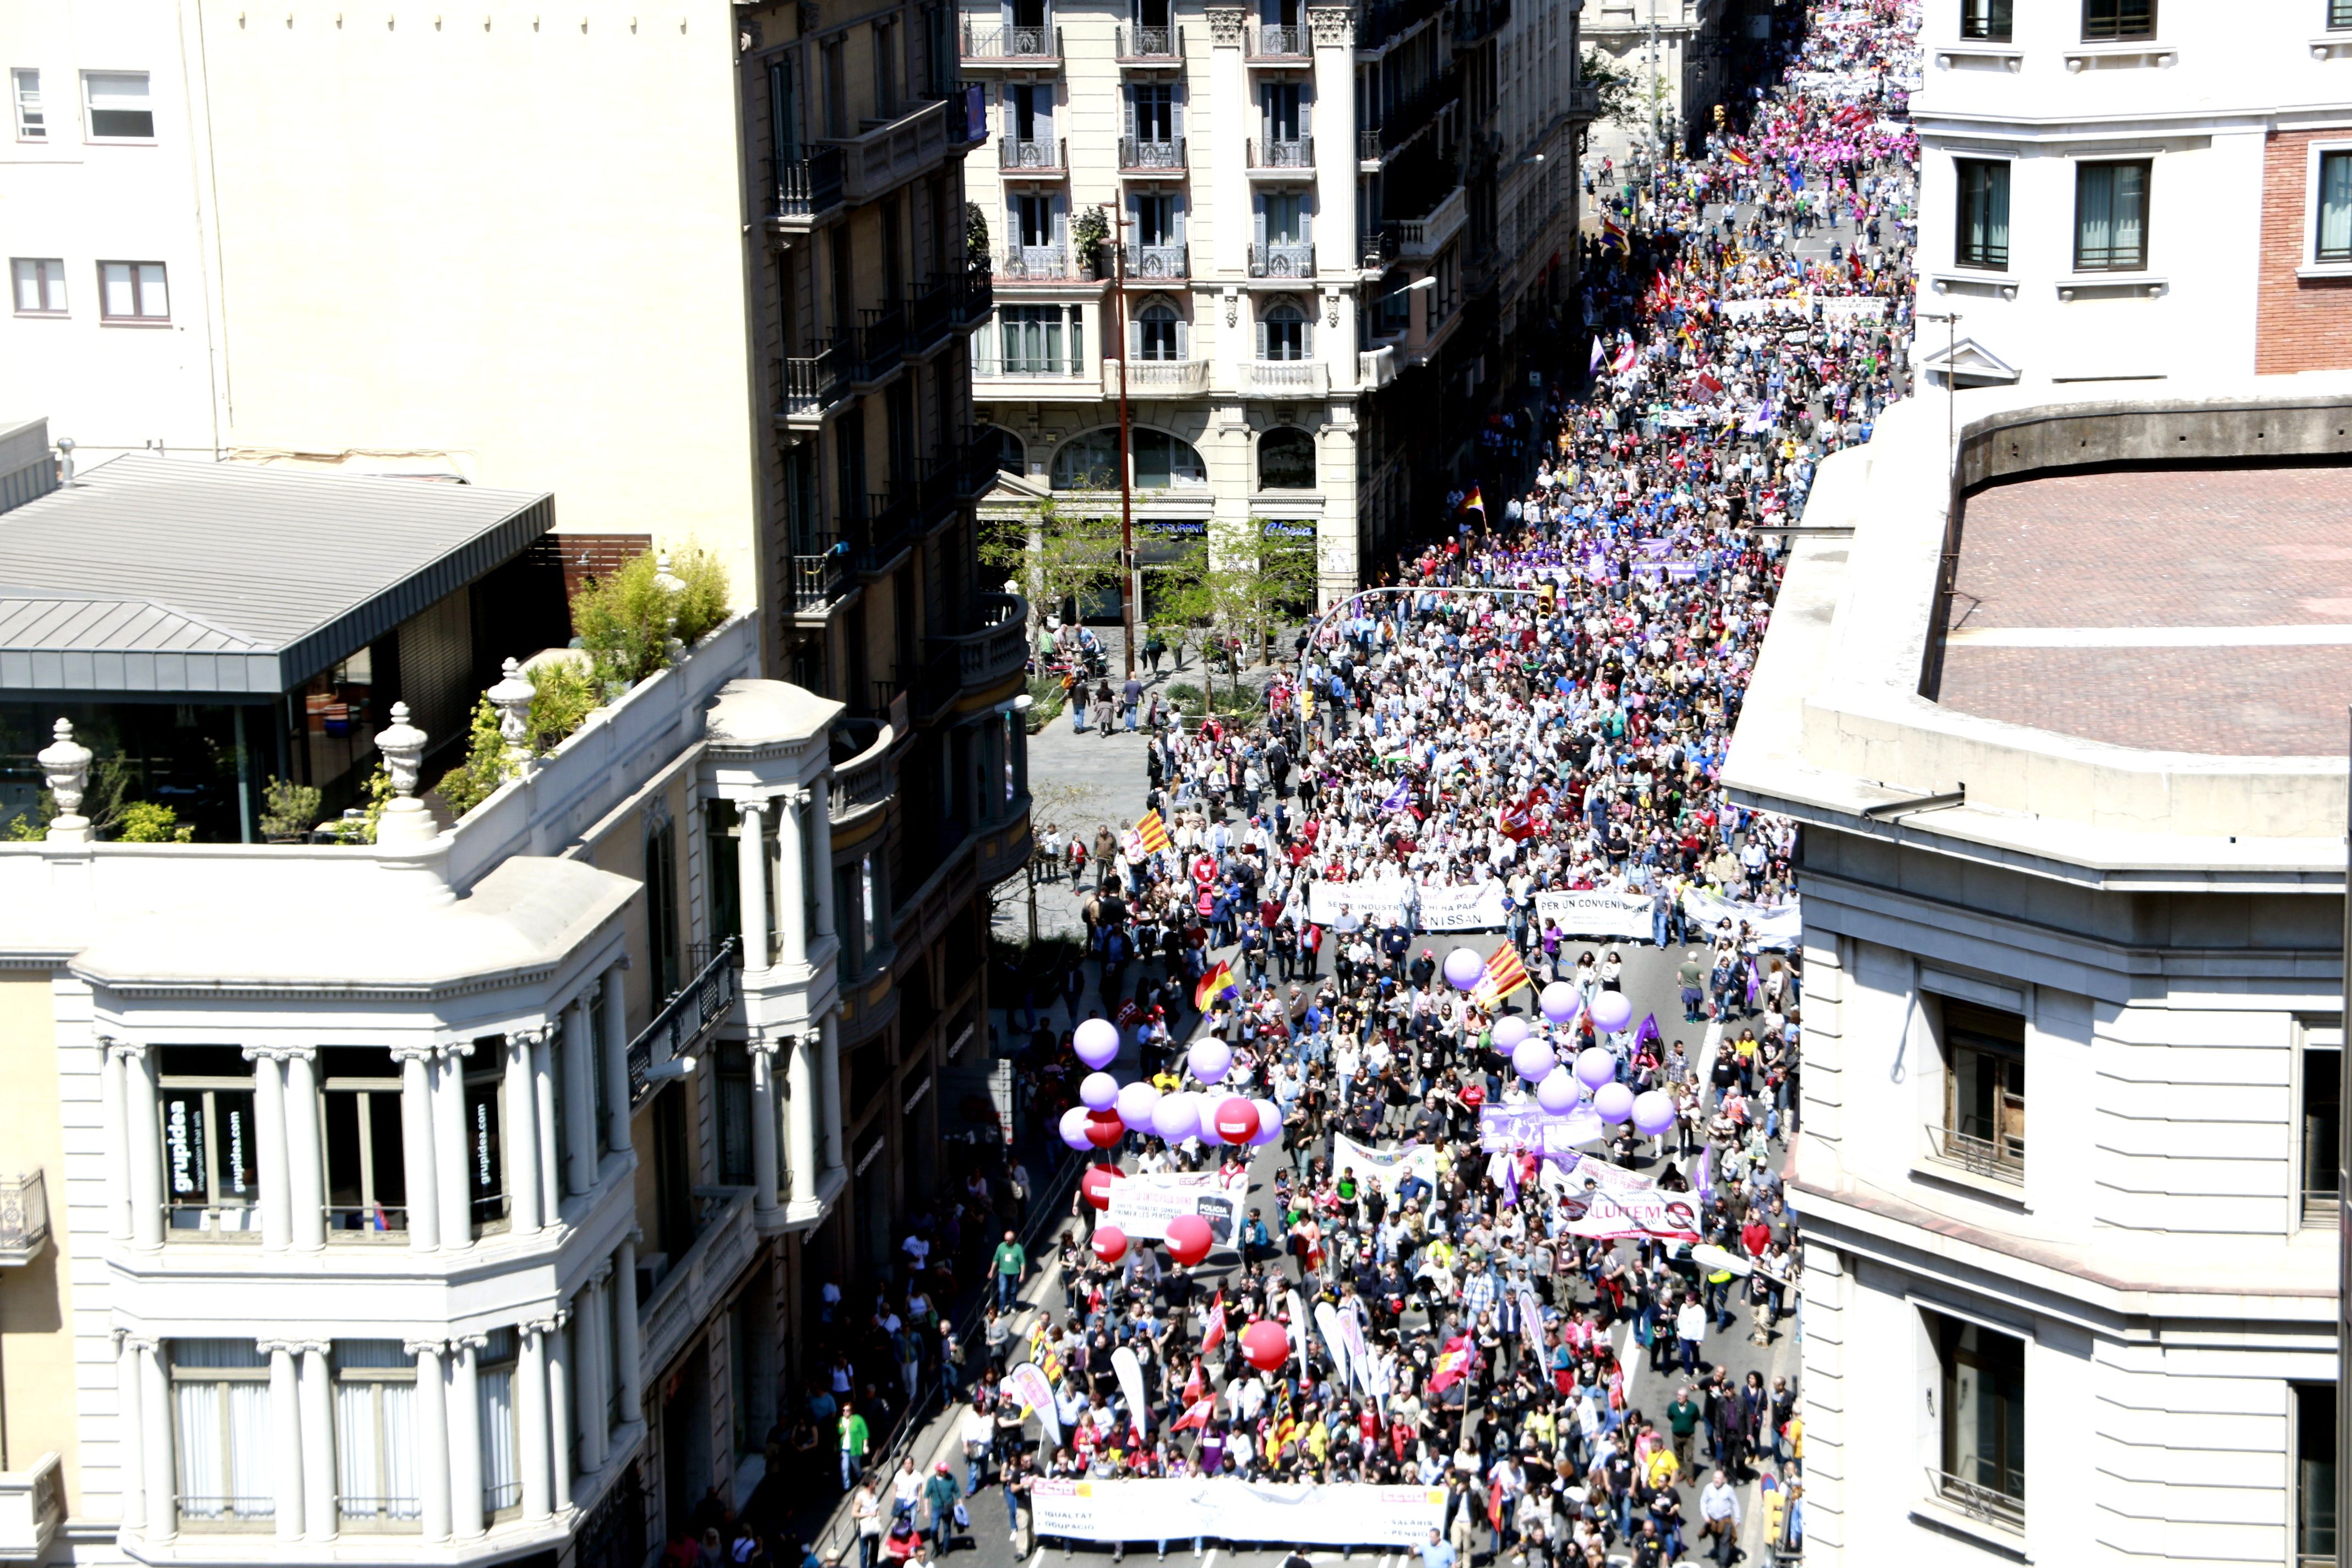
1503,975
1213,984
1154,832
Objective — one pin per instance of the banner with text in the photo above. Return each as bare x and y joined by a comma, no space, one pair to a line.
1142,1204
1371,902
1461,909
1386,1168
1775,925
1597,912
1530,1126
1228,1509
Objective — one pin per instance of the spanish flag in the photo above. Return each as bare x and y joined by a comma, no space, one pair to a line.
1503,975
1473,502
1154,832
1740,158
1215,983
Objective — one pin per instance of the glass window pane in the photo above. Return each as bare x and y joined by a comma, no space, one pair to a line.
2335,206
117,298
153,300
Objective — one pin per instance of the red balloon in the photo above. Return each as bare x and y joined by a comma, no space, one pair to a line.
1237,1120
1095,1184
1263,1342
1110,1243
1472,1094
1189,1238
1104,1128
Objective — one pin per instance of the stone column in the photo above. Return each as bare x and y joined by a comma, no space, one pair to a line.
617,1060
269,1138
466,1513
594,1355
1331,31
763,1127
559,1407
751,878
828,1063
630,1343
820,850
318,1449
111,1092
580,1097
451,1147
155,1445
130,1425
805,1105
531,1424
551,1157
792,878
417,1162
1235,118
286,1423
432,1439
519,1137
145,1136
306,1162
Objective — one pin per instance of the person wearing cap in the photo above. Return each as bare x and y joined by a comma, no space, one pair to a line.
941,1498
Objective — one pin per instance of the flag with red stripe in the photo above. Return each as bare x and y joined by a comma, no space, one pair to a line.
1154,832
1504,973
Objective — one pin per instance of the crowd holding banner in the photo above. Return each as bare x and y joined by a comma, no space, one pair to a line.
1526,737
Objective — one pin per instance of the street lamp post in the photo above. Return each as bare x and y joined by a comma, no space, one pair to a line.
1126,459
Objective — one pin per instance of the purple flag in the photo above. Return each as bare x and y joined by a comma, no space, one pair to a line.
1647,1032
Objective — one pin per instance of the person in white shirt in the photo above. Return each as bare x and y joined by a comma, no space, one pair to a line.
1718,1512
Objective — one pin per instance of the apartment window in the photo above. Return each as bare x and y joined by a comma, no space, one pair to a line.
117,106
1981,1404
376,1433
1157,336
493,1369
836,88
1282,331
211,1181
733,1067
1986,21
2339,15
2315,1475
367,1176
2105,20
2111,217
597,1024
40,285
885,70
2323,1119
1983,228
484,1084
1286,460
32,124
1984,1088
132,291
661,905
1033,340
2332,227
220,1428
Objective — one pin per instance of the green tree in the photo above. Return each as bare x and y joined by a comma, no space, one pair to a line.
1622,103
626,620
144,822
288,809
1055,555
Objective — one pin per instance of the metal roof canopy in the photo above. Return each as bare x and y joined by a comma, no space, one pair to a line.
153,578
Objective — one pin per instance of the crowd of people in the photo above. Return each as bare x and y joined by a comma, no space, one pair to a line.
1538,703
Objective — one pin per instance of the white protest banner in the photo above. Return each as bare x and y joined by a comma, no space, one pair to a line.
1230,1508
1597,912
1143,1203
1372,902
1775,925
1531,1323
1359,1354
1130,1372
1327,1323
1850,304
1387,1168
1613,1216
1747,309
1601,1172
1461,909
1296,1307
1530,1126
1027,1383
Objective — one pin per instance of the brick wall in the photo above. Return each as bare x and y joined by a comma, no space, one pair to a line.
2300,323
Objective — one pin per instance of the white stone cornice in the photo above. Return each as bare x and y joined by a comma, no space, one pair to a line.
424,1347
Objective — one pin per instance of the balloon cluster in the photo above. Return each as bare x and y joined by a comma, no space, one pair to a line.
1109,1110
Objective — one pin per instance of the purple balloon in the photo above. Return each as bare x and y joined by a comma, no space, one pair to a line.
1096,1042
1463,967
1210,1060
1074,1128
1534,1060
1653,1113
1508,1034
1613,1101
1558,1093
1099,1091
1135,1102
1595,1066
1176,1118
1611,1011
1269,1122
1561,1002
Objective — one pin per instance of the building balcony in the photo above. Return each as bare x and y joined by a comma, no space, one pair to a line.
1028,47
1150,45
1476,21
1042,263
805,189
1289,44
817,581
1285,378
881,343
890,531
680,1034
996,650
1584,103
1150,158
1383,23
1042,158
1044,379
686,1289
1421,238
1282,260
808,385
976,297
1148,263
866,781
931,313
887,154
1157,377
32,1507
24,1220
1375,368
1291,158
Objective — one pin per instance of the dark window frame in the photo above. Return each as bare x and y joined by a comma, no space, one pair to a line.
1991,196
2118,21
2112,257
1986,21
